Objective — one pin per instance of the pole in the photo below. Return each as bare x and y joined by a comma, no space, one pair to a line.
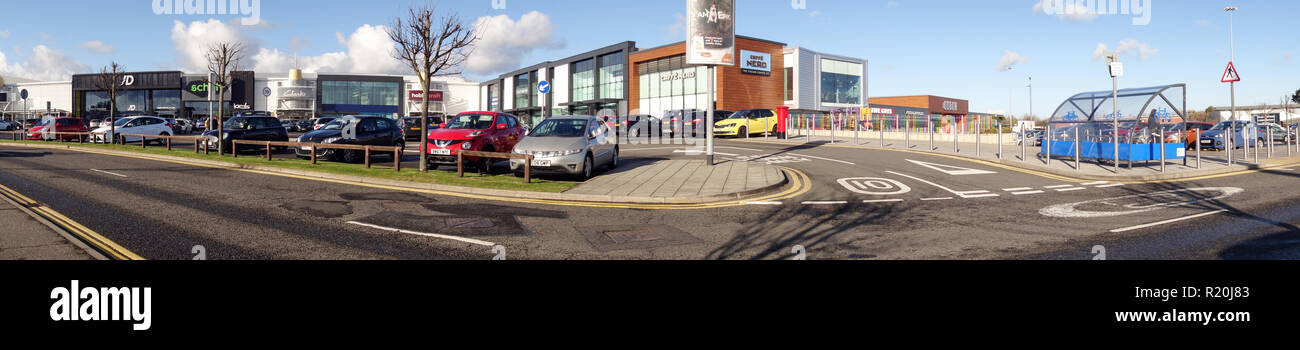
1076,148
999,140
1198,148
708,142
907,133
978,134
1024,138
1114,101
931,124
1161,138
857,124
1047,140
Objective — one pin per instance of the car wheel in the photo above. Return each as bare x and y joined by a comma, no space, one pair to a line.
587,164
350,156
613,163
161,141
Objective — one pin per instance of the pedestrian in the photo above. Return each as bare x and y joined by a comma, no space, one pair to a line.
1153,126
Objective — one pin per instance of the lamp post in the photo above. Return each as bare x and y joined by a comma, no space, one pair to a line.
1116,71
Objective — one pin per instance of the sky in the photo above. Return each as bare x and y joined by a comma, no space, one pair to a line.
951,48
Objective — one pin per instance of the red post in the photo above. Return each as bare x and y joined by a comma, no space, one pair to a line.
782,115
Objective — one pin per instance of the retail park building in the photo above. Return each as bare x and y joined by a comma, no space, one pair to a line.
618,79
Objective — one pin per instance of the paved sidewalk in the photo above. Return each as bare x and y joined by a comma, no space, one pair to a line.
1212,163
25,238
679,180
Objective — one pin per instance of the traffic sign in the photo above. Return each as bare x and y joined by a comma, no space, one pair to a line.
23,94
544,87
1230,74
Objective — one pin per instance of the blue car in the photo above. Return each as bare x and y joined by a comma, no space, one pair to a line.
1241,130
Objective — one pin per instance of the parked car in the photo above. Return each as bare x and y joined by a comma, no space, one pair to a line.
411,125
571,145
290,125
321,122
474,131
6,125
140,125
253,114
48,129
642,125
252,128
1214,138
184,126
1194,131
1279,133
305,125
743,123
1034,134
353,130
31,123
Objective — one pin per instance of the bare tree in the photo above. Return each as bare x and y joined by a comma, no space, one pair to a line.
223,59
111,79
431,47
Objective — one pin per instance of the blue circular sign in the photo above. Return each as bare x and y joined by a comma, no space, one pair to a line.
544,87
266,92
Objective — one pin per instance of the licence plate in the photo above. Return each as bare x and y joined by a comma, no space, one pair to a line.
541,162
440,152
305,148
1206,142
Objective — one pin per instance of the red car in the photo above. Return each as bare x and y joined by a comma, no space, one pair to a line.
474,131
60,125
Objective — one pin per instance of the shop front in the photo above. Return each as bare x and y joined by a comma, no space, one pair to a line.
140,93
942,114
194,96
342,95
662,81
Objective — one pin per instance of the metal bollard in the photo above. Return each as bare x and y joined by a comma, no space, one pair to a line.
978,134
999,140
1255,138
881,129
931,124
1198,148
1047,140
907,134
1270,142
1161,148
1023,140
1076,148
956,148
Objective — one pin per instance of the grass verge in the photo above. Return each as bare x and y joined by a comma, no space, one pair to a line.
381,168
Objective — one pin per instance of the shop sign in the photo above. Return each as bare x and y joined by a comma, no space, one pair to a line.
711,32
677,75
950,106
878,110
418,96
243,106
755,63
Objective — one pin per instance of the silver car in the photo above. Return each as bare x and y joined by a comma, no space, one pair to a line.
571,145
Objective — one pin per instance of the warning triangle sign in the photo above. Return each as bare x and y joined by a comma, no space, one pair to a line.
1230,74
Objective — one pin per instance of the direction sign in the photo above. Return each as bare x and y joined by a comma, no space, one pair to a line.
544,87
1230,74
23,94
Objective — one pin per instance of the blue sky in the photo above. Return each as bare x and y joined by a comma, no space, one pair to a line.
949,48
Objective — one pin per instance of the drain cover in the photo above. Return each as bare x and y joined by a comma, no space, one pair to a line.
635,235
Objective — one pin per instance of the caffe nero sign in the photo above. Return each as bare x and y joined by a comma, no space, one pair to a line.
755,63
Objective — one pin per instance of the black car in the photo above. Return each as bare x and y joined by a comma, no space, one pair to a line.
31,123
353,130
253,114
411,126
251,128
290,125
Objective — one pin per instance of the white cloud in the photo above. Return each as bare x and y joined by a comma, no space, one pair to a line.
192,41
1127,46
44,64
1011,59
1066,9
367,50
97,46
503,42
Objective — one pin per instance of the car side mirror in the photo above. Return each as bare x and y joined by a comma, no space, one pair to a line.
501,126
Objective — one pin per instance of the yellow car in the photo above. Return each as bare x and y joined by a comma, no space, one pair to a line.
749,121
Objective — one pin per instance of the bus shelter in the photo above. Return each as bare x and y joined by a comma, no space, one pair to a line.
1151,120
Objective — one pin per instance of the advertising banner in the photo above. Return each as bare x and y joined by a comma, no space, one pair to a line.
711,32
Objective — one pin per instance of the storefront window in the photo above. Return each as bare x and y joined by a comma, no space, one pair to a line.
494,98
359,93
669,84
789,84
167,102
611,75
841,82
584,80
523,89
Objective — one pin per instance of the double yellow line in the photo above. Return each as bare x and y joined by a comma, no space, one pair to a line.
85,234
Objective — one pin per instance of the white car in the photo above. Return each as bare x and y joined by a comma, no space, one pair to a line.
141,125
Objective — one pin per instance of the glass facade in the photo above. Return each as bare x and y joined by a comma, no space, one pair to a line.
367,93
789,84
611,75
523,91
167,103
164,103
494,98
669,84
841,82
584,81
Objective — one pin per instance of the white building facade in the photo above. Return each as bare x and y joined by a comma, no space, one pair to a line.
822,82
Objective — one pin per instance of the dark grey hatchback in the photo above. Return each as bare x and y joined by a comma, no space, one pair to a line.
353,130
250,128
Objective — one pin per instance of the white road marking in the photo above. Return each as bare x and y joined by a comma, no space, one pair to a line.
1072,189
1110,185
1017,189
434,235
883,201
650,149
1140,203
951,170
936,199
1170,221
1095,183
109,172
825,202
1027,193
866,185
696,153
825,159
1057,186
962,194
763,203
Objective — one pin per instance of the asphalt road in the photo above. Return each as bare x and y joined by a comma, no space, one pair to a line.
863,204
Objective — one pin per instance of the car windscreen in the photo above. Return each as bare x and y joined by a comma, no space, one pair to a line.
121,122
236,124
560,128
1224,126
338,124
471,121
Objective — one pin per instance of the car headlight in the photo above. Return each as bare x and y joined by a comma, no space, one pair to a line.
519,151
225,135
570,152
332,140
467,145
